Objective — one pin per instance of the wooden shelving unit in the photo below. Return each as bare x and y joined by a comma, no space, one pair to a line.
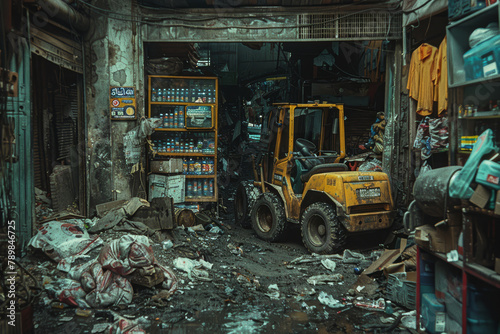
189,107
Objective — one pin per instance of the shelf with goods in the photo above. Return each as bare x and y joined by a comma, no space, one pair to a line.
463,72
440,292
482,244
463,288
474,81
185,142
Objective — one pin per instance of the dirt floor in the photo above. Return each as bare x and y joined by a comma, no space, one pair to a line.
238,295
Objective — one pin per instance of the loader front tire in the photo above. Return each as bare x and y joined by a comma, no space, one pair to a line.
321,230
268,217
245,197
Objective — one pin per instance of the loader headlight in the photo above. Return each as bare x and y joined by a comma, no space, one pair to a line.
368,193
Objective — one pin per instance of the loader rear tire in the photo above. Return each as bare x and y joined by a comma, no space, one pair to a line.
321,230
268,217
245,197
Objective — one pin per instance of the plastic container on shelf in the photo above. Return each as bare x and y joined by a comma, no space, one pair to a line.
153,95
189,191
483,60
206,192
199,188
433,314
181,117
481,326
427,275
197,167
482,302
211,187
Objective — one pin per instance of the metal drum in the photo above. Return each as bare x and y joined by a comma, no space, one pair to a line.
431,190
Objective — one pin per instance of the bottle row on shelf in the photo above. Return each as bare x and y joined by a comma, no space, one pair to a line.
185,143
203,94
198,166
196,188
173,119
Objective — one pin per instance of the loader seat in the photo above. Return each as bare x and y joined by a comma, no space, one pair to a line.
323,168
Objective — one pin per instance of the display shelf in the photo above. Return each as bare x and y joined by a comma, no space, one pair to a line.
478,210
184,129
479,117
475,81
186,154
441,256
199,176
458,34
189,176
485,274
182,103
174,129
435,150
201,199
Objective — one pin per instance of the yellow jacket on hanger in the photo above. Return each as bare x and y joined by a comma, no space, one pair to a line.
440,78
420,85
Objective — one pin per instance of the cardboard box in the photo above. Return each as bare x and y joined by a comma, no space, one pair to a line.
176,188
167,186
442,240
173,165
386,259
481,196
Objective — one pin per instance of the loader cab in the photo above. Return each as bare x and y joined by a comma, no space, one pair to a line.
305,136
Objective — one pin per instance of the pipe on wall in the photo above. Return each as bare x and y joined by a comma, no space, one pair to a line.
61,11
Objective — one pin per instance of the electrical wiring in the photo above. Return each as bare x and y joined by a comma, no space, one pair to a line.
218,16
146,20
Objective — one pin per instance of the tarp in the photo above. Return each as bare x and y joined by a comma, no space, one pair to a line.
415,10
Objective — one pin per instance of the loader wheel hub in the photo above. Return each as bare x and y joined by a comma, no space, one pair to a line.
321,230
265,218
317,230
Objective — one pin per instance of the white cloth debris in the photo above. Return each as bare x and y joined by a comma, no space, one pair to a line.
328,300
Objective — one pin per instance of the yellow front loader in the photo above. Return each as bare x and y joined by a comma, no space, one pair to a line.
299,178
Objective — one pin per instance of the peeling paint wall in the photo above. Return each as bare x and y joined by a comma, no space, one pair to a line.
114,58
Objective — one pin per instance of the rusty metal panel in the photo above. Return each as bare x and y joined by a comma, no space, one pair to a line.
275,27
57,49
224,29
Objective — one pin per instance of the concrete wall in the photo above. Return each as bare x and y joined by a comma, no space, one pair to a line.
113,58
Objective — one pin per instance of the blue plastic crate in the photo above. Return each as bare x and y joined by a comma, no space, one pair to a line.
433,313
479,326
460,8
482,303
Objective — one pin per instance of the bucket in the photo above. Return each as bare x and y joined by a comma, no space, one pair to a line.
184,217
202,218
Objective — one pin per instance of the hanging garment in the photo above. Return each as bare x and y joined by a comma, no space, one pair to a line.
420,83
440,78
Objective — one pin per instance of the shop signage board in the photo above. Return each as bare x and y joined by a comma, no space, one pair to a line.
122,103
199,117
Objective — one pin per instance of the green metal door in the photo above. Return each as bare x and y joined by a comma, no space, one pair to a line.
19,170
